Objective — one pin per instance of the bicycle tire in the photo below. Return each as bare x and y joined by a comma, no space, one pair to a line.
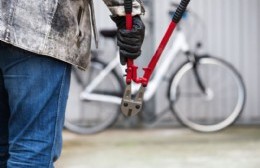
85,123
202,122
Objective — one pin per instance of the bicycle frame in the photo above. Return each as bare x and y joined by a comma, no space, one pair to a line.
179,45
196,65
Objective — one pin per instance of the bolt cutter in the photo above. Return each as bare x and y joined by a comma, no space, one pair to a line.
129,106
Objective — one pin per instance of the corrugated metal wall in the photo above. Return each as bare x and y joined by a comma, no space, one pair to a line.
232,33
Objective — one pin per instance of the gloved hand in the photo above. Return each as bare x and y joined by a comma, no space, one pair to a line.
129,41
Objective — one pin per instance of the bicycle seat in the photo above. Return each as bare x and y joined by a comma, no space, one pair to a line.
108,33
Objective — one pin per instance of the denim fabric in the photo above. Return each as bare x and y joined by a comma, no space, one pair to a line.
33,96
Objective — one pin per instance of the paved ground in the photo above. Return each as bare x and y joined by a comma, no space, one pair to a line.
236,147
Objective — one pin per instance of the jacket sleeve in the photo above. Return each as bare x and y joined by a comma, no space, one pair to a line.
117,7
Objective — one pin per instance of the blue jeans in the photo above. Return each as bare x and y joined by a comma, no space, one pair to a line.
33,96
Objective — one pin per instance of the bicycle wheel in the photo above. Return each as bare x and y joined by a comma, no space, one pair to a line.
221,103
94,116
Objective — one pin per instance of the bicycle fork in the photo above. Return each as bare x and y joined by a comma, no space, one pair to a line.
129,106
207,92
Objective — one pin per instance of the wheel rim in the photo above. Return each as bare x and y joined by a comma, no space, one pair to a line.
229,119
93,116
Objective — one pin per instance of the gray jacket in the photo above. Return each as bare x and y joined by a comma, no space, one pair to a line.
57,28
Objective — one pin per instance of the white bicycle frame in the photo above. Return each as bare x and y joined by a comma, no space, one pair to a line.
179,45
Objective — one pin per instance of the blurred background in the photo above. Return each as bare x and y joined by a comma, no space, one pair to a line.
227,30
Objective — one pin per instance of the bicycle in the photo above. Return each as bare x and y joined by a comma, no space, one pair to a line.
189,86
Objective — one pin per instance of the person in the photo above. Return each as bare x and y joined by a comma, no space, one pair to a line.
39,41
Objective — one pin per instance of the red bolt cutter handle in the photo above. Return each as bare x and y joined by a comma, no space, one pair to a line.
129,26
129,106
131,68
130,62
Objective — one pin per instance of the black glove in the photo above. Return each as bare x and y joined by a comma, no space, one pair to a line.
129,41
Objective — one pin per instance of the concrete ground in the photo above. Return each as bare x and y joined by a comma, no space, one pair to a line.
236,147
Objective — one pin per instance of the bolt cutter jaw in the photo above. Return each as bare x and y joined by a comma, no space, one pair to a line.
132,107
129,106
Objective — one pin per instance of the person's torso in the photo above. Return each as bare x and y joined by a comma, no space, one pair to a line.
56,28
